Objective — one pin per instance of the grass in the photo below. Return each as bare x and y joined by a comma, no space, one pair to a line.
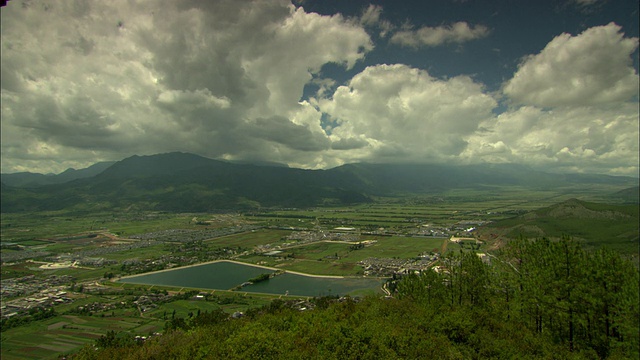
66,333
335,258
250,239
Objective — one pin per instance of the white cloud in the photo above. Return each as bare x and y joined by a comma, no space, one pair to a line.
594,67
585,2
371,15
201,97
90,81
105,80
404,114
578,107
588,139
458,32
370,18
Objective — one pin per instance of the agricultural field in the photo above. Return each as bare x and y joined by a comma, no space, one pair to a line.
47,339
440,210
25,228
110,245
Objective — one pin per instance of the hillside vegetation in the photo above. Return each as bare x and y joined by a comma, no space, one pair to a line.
613,226
538,299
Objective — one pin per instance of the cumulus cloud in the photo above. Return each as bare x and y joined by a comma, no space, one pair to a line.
584,139
89,81
576,108
405,114
594,67
458,32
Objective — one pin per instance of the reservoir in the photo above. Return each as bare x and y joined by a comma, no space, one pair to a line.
225,275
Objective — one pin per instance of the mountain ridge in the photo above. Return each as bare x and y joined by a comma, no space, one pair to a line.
29,179
187,182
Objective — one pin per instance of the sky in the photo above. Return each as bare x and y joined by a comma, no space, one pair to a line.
316,84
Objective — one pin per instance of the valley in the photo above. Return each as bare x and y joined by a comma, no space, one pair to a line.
151,244
73,263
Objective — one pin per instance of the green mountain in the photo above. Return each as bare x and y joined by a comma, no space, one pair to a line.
613,226
187,182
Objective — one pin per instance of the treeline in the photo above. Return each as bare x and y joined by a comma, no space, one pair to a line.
537,299
260,278
582,300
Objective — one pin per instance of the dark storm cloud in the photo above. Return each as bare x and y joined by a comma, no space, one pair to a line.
280,130
349,144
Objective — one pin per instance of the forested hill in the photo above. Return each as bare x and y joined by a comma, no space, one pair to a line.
187,182
536,300
613,226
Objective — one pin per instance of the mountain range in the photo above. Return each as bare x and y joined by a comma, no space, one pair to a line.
187,182
28,179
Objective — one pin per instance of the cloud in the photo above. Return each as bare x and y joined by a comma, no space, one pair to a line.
405,114
587,6
90,81
594,67
280,130
198,98
370,18
575,110
371,15
94,81
458,32
568,139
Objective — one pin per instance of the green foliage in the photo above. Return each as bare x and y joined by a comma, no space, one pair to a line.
260,278
613,226
538,299
34,314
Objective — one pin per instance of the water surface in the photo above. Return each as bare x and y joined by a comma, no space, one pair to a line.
225,275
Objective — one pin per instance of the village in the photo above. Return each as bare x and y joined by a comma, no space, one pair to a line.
22,295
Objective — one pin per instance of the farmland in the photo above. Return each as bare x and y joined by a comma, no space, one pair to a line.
370,239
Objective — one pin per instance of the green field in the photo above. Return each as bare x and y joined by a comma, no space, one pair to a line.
61,233
46,339
338,258
250,239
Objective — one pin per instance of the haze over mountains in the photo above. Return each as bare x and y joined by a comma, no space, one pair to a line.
188,182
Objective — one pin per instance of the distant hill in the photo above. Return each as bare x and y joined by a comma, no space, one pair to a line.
629,196
614,226
27,179
187,182
386,179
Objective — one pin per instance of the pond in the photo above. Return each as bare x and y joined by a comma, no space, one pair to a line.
226,275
